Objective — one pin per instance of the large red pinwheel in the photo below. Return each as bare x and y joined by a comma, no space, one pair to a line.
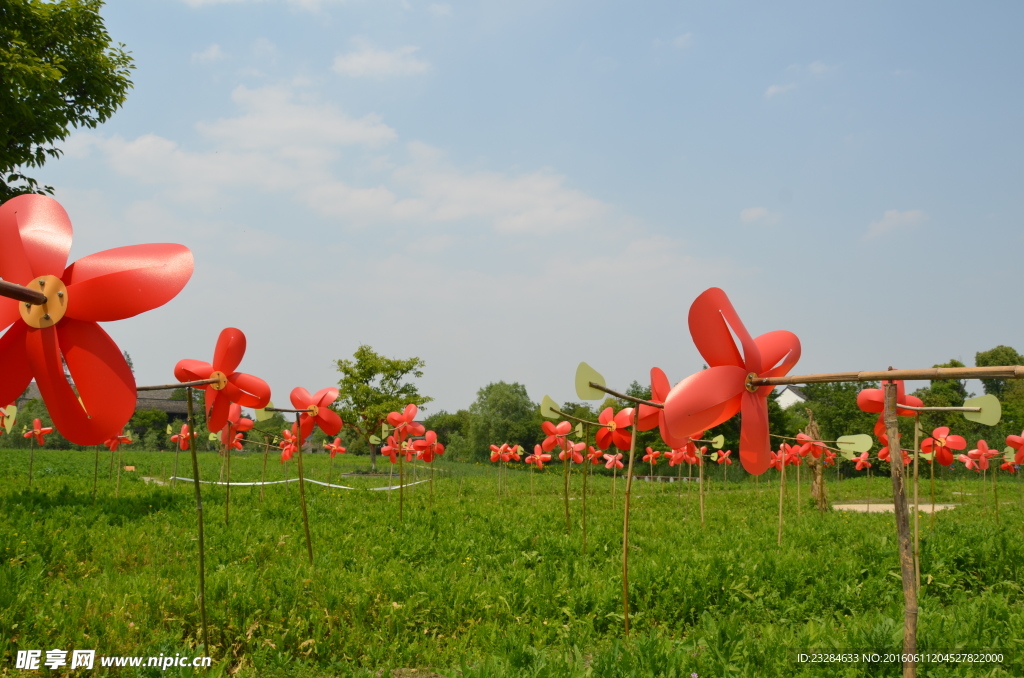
318,411
405,422
649,416
232,387
1017,443
614,428
873,400
941,442
35,238
39,432
707,398
428,448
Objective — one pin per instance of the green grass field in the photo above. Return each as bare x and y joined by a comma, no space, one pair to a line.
473,584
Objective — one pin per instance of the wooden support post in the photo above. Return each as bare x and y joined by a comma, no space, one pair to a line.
625,526
906,555
199,513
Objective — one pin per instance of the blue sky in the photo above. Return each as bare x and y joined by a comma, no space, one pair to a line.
507,188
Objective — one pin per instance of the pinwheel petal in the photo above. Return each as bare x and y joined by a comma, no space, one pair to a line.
9,313
780,350
252,391
672,441
192,370
955,442
325,396
704,399
1016,442
328,421
217,410
943,456
410,412
229,350
126,281
711,318
106,387
16,373
755,446
660,385
871,400
244,424
36,235
912,401
302,399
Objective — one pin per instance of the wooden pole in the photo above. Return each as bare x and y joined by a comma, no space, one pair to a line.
227,455
917,510
117,492
782,491
995,488
906,555
930,374
700,484
31,459
565,489
199,513
586,472
263,477
625,526
302,489
183,384
21,293
96,474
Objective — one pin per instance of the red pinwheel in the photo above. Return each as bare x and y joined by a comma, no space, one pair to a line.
571,451
709,397
862,461
873,400
555,433
235,422
181,438
1008,466
982,454
883,454
651,456
613,461
538,457
1017,443
116,442
35,233
593,455
723,458
335,447
648,417
39,432
236,442
290,443
391,449
513,452
318,411
776,459
614,428
500,453
231,387
428,448
940,444
809,445
969,463
405,423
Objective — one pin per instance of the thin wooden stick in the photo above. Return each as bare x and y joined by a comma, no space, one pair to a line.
700,486
21,293
302,488
625,525
263,477
31,459
799,511
117,492
183,384
930,374
565,490
96,474
199,513
906,554
623,396
917,511
227,488
586,472
995,489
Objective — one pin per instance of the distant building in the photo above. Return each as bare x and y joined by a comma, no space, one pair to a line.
147,400
791,395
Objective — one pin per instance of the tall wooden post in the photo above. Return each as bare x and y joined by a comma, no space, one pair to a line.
199,513
902,510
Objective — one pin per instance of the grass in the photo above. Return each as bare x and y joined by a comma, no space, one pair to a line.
473,584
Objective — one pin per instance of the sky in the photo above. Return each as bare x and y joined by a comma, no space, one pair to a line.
504,189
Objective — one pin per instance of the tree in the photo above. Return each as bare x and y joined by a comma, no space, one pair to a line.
371,386
58,70
503,413
1000,355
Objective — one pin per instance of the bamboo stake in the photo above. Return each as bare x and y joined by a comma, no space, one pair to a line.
868,484
174,475
117,493
31,458
227,458
799,510
263,476
625,525
199,513
586,472
565,490
782,491
932,465
930,374
401,487
903,531
614,469
302,489
96,474
995,489
700,486
917,511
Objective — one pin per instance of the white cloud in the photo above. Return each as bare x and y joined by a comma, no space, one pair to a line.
818,68
775,90
209,55
682,41
440,9
368,61
761,215
894,220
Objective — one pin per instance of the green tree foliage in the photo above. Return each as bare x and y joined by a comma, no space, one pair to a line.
835,409
502,413
373,385
1000,355
58,70
143,422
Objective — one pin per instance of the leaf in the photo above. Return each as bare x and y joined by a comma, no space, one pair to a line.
579,430
374,440
547,407
991,410
584,375
213,436
9,417
170,431
263,415
718,442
